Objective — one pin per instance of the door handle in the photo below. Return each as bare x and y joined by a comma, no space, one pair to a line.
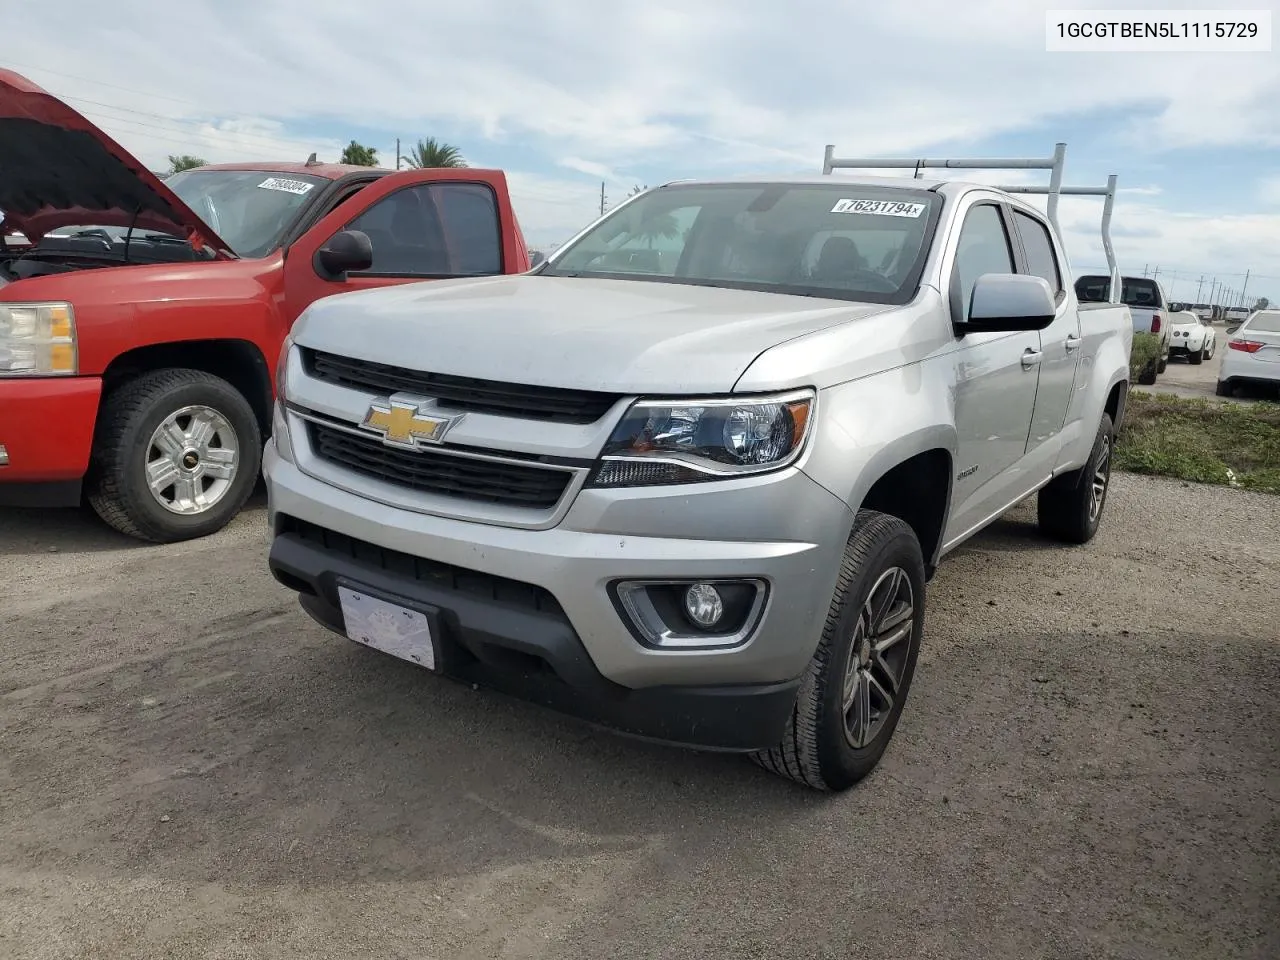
1030,358
1072,342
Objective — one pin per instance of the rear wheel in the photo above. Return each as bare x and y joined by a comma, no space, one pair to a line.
1070,507
176,455
1225,389
855,687
1147,376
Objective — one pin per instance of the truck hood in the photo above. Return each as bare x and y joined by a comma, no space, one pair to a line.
618,336
58,169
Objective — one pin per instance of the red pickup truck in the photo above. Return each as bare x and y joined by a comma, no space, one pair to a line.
141,324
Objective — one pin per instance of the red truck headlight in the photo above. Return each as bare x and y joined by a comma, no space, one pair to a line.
38,340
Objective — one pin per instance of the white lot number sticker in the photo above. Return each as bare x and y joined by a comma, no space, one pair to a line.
288,186
880,208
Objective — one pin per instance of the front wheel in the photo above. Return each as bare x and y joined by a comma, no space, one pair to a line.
176,455
1070,507
855,687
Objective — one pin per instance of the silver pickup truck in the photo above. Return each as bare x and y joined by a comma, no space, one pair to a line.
689,477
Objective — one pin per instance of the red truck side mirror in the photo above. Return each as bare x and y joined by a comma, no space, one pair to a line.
346,251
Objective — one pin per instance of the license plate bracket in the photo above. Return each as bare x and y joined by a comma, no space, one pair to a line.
390,624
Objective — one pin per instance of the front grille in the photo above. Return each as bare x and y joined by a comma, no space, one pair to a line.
515,593
516,400
436,471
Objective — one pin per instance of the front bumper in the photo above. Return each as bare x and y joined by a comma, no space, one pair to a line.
531,612
46,430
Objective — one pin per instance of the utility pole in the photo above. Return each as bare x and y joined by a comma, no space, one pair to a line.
1144,268
602,198
1157,273
1199,287
1244,288
397,153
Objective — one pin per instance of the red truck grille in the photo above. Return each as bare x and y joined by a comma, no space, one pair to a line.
436,471
516,400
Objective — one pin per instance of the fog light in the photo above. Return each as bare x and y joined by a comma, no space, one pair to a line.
703,604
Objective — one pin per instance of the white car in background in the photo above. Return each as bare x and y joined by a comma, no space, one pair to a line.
1191,337
1253,355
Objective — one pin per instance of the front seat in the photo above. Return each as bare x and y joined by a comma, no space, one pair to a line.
839,260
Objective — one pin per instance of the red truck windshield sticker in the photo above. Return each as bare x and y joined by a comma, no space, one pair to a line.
288,186
880,208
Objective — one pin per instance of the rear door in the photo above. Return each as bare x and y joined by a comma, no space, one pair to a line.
423,224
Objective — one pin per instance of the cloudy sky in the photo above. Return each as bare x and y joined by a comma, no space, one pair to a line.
566,93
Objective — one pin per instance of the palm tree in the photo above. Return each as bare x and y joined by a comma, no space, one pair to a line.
662,227
433,153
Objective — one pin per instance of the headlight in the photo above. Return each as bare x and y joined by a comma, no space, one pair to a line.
37,340
282,366
686,441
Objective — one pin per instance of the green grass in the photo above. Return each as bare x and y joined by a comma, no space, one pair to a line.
1203,441
1145,352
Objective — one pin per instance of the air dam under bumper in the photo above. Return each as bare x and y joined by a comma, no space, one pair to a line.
528,612
521,644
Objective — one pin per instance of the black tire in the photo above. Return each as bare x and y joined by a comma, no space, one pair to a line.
118,488
1164,364
1196,358
1225,389
1148,375
815,749
1065,507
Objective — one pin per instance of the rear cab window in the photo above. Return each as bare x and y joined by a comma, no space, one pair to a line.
1139,292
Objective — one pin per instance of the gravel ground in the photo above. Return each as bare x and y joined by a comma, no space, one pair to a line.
1087,768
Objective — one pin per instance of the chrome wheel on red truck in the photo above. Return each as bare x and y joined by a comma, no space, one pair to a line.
175,457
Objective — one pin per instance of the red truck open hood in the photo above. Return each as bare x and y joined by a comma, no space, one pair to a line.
58,169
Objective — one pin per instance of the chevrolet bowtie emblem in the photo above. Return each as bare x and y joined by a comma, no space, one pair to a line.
402,423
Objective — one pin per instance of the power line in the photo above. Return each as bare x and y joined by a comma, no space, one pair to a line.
102,83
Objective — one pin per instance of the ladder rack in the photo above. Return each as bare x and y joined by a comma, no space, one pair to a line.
1054,164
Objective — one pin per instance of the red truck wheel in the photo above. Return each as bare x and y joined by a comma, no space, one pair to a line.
176,455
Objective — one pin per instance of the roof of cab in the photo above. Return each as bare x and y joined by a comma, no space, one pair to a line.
329,171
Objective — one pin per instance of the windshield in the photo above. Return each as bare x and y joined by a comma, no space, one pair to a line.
842,241
249,209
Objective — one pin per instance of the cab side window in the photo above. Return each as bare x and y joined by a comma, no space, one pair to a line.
1041,259
984,248
434,230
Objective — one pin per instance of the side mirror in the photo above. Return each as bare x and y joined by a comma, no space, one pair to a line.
1233,329
346,251
1006,301
537,257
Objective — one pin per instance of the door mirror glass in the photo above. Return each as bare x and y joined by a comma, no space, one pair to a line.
1008,301
346,251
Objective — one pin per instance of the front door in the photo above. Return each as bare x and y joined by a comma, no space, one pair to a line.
423,225
996,375
1059,345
